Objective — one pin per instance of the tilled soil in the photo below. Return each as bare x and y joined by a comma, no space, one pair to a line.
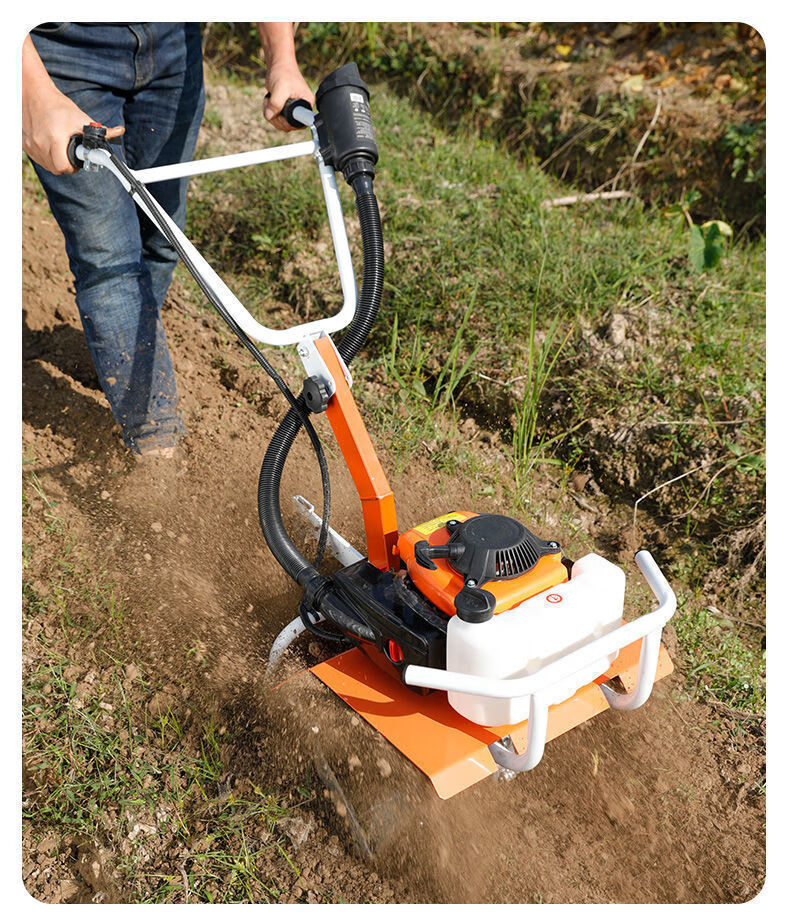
653,806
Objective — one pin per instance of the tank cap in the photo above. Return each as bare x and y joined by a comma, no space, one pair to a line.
474,606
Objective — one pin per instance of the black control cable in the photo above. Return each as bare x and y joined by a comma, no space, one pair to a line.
296,403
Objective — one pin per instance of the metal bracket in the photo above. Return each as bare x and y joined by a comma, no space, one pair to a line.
315,366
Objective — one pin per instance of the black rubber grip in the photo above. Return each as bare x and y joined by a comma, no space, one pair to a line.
288,109
71,151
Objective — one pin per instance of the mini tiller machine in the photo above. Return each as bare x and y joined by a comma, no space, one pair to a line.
472,640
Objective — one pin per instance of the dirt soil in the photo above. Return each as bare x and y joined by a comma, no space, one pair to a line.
654,806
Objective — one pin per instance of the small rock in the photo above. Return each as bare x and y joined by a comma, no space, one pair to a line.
297,830
579,481
354,762
69,888
46,845
156,526
616,332
105,494
385,769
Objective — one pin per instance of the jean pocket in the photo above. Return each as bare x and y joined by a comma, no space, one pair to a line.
51,28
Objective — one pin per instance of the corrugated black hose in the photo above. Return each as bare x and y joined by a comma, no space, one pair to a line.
269,512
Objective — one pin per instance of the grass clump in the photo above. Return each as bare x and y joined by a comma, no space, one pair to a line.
722,661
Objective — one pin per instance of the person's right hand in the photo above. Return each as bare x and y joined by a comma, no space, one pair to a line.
49,118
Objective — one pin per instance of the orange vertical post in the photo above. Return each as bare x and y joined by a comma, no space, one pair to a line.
378,502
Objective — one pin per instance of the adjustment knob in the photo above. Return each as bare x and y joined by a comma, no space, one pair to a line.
316,394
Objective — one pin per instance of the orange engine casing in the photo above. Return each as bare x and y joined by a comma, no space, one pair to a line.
443,584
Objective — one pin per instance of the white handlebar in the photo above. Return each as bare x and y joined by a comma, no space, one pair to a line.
229,301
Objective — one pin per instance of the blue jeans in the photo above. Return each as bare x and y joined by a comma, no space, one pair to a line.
148,77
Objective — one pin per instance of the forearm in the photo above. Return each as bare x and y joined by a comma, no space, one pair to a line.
277,42
49,118
284,80
39,92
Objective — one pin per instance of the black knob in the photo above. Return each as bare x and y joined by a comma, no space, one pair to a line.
474,605
316,394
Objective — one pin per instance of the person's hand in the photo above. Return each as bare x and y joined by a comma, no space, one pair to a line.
49,118
47,127
284,81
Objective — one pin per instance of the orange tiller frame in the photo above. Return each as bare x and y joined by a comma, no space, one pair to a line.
378,501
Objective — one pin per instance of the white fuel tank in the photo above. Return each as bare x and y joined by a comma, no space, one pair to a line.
536,632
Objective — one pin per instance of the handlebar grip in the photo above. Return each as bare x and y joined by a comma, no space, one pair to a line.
93,135
288,110
71,151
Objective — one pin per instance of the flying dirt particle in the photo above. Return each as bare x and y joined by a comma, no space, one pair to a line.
354,762
384,767
341,808
250,608
314,729
105,494
147,558
156,526
354,721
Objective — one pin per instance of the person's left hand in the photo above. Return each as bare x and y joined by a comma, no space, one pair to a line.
284,82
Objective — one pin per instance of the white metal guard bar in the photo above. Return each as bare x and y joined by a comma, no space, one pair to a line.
230,302
540,682
538,685
228,162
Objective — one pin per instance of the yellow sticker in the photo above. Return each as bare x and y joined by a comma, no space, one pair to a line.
428,528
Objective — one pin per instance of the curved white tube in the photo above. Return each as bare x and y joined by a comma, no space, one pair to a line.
571,663
229,301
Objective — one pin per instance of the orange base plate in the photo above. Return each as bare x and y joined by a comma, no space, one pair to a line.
451,750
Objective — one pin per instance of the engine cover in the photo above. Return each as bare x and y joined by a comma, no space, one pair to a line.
462,549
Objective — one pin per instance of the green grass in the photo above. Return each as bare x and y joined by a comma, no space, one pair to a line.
485,289
110,761
723,661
